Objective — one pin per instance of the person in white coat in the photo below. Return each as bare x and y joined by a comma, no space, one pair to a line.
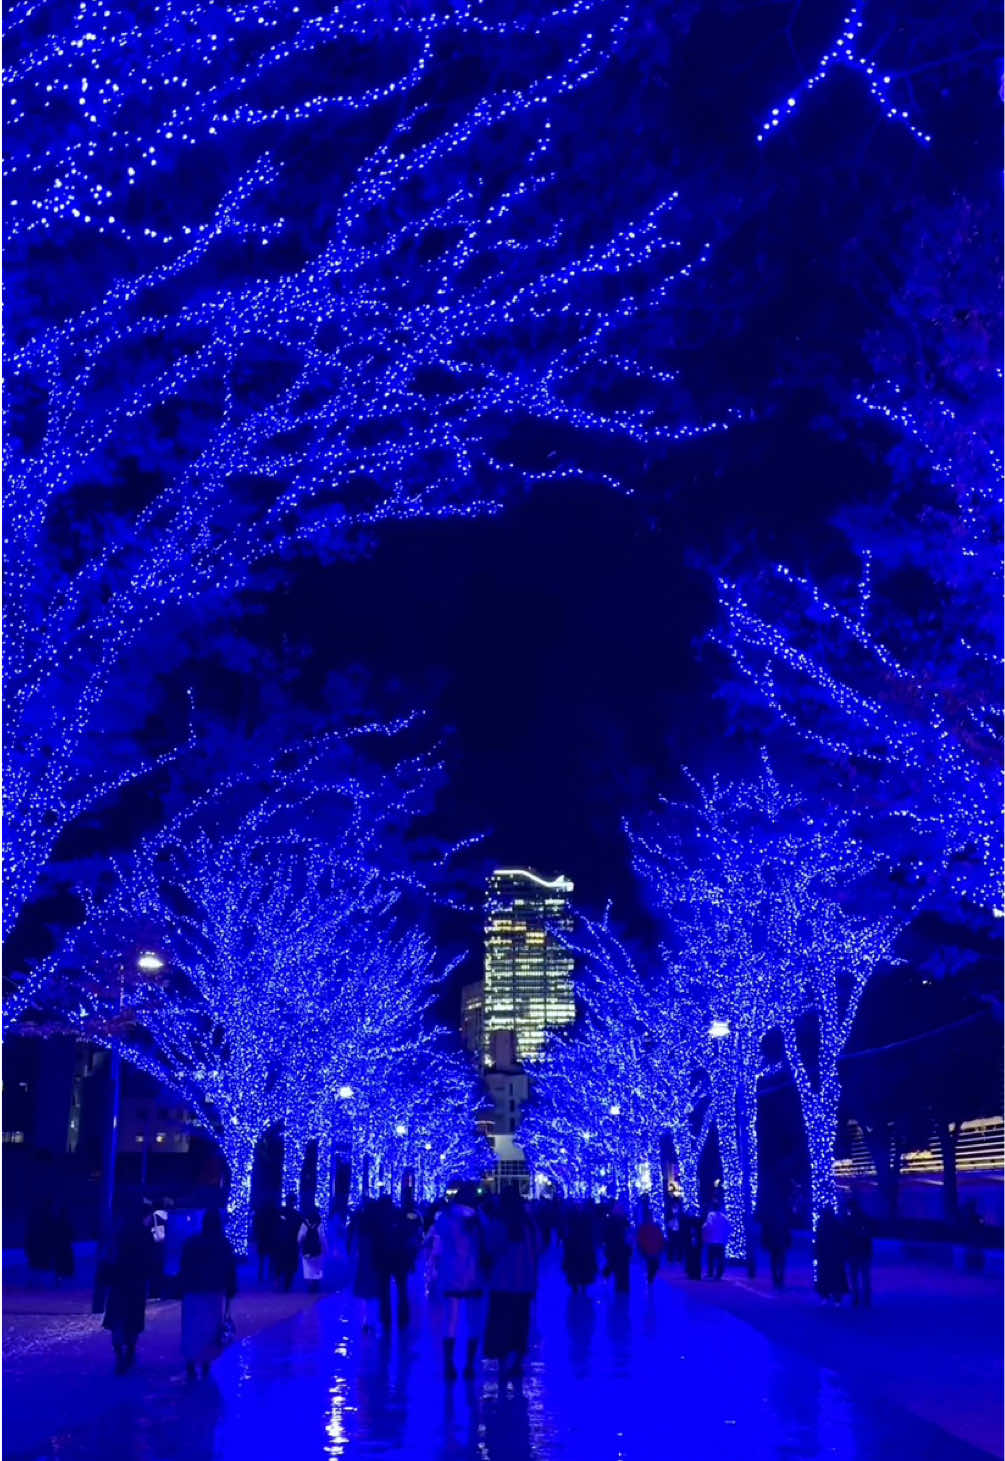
715,1235
311,1241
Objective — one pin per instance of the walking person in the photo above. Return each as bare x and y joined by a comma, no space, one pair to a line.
461,1259
617,1248
691,1236
263,1232
775,1239
675,1231
126,1269
829,1253
514,1244
650,1243
579,1253
403,1239
715,1235
208,1282
287,1245
858,1243
313,1250
369,1277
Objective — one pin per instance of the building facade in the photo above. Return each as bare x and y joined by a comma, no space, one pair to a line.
528,971
473,1020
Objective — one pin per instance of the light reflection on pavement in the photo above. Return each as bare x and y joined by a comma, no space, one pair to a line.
607,1380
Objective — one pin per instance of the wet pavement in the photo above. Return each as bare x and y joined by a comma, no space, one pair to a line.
674,1371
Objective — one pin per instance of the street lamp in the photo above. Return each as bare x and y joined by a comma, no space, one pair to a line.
148,962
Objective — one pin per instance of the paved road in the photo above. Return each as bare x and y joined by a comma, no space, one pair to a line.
713,1371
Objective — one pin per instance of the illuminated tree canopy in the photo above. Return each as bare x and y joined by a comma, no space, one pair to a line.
326,277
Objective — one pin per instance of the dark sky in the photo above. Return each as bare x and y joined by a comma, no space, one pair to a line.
558,644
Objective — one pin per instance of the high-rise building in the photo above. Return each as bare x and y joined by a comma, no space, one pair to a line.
528,970
473,1019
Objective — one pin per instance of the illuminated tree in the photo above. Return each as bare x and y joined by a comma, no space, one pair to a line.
324,277
776,919
634,1069
704,879
894,683
287,973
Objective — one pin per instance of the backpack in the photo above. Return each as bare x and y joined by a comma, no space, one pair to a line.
311,1244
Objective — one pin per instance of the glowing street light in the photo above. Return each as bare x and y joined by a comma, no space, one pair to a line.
149,962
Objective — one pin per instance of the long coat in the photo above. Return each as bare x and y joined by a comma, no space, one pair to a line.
369,1276
579,1256
126,1273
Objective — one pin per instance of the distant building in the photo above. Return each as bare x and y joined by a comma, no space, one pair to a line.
506,1083
528,971
473,1019
527,991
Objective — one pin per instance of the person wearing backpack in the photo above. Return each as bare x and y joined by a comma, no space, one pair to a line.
311,1242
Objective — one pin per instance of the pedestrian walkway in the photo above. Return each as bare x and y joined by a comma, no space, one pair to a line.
677,1370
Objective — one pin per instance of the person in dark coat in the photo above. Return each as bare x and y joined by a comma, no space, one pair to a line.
403,1239
126,1274
675,1236
617,1248
63,1261
286,1252
263,1232
775,1239
691,1241
513,1244
829,1253
579,1254
858,1238
369,1280
208,1282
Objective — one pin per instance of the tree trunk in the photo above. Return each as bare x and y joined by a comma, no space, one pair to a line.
728,1131
688,1149
657,1186
736,1122
323,1186
239,1153
948,1133
821,1118
819,1107
294,1152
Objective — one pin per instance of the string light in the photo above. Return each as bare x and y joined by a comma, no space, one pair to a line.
757,889
604,1094
438,307
913,712
846,51
300,989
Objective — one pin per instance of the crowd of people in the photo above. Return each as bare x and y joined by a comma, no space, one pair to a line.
476,1254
